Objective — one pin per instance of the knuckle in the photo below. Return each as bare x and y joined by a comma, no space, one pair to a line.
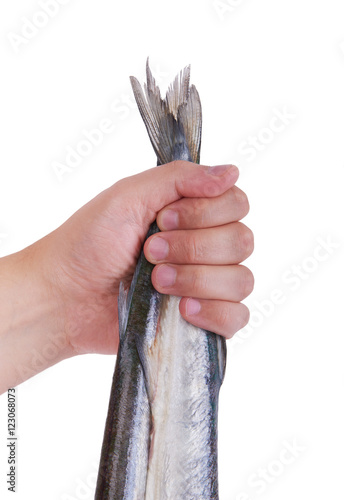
247,281
223,318
199,281
200,210
194,250
121,183
245,240
242,201
176,164
244,316
237,319
181,182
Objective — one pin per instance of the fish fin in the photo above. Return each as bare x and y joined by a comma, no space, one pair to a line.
221,353
174,124
190,116
124,300
178,92
122,310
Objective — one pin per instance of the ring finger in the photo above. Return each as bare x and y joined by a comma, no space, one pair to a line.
232,283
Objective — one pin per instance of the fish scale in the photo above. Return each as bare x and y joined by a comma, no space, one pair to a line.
160,438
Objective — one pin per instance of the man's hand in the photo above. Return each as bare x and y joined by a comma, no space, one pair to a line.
66,284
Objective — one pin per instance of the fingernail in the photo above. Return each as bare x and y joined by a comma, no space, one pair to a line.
192,307
169,219
158,248
222,169
166,276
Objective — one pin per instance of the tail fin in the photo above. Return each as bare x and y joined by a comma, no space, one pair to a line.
174,124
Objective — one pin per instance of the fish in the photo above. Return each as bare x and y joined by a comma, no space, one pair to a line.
161,431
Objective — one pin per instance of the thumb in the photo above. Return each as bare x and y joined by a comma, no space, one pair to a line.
159,186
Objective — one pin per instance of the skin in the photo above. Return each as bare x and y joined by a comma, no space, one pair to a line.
58,296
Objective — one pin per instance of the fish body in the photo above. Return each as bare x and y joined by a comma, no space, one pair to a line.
160,440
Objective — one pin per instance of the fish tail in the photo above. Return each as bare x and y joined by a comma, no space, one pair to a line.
174,124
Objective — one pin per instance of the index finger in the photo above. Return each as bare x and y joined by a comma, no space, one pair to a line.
198,213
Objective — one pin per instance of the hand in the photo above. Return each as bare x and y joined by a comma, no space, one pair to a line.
98,247
64,288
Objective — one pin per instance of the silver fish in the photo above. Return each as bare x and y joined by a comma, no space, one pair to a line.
160,440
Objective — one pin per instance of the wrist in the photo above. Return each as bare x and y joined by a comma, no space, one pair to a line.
32,335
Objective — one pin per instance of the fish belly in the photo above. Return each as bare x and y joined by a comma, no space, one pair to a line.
183,399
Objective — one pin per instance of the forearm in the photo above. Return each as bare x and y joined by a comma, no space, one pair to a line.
31,332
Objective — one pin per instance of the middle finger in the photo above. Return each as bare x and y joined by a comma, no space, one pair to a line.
227,244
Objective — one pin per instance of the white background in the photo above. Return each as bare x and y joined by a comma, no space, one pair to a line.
249,61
